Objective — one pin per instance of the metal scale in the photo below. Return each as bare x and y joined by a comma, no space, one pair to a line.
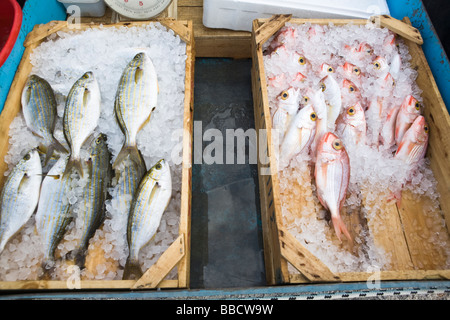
125,10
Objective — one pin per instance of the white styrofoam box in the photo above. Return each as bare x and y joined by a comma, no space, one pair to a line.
239,14
88,8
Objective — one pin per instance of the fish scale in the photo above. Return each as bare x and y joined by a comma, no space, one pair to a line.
19,196
149,203
94,195
81,115
39,111
54,210
136,98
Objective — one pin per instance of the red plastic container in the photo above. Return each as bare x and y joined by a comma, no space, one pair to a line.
10,22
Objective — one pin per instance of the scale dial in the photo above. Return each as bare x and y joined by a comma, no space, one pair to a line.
138,9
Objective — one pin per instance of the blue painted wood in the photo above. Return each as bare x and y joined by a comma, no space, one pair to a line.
432,47
34,12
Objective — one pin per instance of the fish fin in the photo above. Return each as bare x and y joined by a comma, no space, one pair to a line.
339,227
23,181
138,74
132,271
131,151
86,96
55,145
77,257
147,120
73,163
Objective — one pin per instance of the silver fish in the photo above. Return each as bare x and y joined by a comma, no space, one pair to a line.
136,98
94,195
54,210
149,203
81,116
19,196
128,176
39,111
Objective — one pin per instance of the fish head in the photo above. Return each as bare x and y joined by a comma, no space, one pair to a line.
350,86
98,144
306,117
160,172
354,114
420,130
412,105
365,48
301,59
380,64
285,35
31,162
326,69
330,144
352,70
299,77
289,99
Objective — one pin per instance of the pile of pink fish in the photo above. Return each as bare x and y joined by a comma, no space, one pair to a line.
327,92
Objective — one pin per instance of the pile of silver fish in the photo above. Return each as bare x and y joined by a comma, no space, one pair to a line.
308,117
28,189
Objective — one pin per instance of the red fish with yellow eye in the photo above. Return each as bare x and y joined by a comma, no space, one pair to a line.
352,72
288,103
362,47
299,136
332,176
413,146
380,65
350,92
409,111
286,36
354,124
326,69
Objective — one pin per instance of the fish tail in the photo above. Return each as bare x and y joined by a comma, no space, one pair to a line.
132,270
73,163
78,257
339,227
47,266
129,150
55,145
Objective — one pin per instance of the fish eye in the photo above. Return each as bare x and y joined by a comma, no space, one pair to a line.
417,105
305,99
351,88
351,111
284,95
27,157
323,86
302,60
98,140
357,71
330,69
377,65
313,116
426,129
337,144
158,166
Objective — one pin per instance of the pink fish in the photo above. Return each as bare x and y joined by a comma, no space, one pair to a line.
387,134
354,121
288,103
363,47
350,92
414,143
409,111
284,37
352,72
380,65
332,175
326,69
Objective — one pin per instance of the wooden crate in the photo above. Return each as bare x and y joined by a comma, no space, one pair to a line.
178,254
411,260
